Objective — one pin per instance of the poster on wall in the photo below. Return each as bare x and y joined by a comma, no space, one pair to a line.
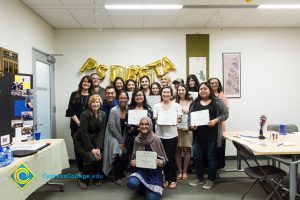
197,66
232,74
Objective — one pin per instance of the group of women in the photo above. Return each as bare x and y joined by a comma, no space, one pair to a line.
114,144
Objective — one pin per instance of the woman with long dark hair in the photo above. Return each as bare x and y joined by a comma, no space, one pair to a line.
192,83
205,137
77,104
145,84
185,136
138,102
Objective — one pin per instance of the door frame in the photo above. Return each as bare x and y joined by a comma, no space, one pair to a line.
38,55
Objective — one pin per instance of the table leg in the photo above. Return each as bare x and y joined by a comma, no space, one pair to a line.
293,181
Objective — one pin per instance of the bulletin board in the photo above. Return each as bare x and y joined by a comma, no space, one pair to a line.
16,106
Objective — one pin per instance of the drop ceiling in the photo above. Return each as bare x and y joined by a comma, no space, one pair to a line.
83,14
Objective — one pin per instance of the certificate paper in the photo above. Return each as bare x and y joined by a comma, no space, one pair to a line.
146,159
194,95
200,118
134,116
167,117
153,99
184,122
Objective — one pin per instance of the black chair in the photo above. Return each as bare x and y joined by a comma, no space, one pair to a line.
262,173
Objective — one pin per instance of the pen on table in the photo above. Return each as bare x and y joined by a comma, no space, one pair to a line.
248,136
280,144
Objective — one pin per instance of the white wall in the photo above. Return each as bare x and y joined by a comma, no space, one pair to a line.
21,30
270,67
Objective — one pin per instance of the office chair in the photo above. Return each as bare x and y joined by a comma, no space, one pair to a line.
262,173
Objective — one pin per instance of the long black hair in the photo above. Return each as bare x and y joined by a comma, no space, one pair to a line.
220,88
211,95
132,105
157,84
186,96
194,77
79,89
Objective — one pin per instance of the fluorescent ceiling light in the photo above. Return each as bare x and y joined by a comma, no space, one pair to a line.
279,6
139,7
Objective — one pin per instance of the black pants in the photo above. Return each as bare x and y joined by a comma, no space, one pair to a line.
78,157
170,167
91,170
120,165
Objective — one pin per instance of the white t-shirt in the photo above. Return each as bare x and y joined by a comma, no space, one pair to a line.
167,131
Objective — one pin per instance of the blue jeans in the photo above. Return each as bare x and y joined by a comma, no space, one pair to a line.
200,149
135,184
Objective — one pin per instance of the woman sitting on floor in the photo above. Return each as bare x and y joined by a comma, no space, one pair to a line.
145,180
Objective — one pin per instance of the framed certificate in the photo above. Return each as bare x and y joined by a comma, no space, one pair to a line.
184,122
134,116
153,99
167,117
200,118
146,159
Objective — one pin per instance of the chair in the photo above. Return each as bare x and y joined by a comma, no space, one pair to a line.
262,173
275,127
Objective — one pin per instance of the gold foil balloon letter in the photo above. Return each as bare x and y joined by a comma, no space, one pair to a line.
101,71
89,64
117,71
132,72
167,65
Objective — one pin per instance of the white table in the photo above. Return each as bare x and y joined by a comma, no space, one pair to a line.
50,160
273,151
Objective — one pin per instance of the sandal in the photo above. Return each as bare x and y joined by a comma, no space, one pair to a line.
184,176
172,185
179,176
166,184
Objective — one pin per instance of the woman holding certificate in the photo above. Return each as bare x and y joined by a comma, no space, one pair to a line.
168,114
185,136
206,115
138,108
115,151
147,179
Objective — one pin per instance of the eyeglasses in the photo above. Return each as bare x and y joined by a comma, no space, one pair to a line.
144,124
95,78
139,95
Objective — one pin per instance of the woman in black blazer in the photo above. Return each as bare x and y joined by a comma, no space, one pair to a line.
89,139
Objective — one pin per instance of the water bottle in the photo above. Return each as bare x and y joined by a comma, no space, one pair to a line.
2,157
8,155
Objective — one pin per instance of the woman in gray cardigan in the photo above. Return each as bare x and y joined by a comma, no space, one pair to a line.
115,152
88,141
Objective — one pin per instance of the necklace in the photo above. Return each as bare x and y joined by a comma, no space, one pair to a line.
84,101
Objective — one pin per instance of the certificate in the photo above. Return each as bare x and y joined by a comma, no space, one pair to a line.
184,122
200,118
194,95
153,99
134,116
146,159
167,117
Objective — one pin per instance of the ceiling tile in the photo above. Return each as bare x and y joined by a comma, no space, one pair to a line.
228,17
194,17
58,18
89,19
42,2
126,18
260,18
160,18
290,18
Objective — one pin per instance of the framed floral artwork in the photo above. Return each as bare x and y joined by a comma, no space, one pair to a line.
232,74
